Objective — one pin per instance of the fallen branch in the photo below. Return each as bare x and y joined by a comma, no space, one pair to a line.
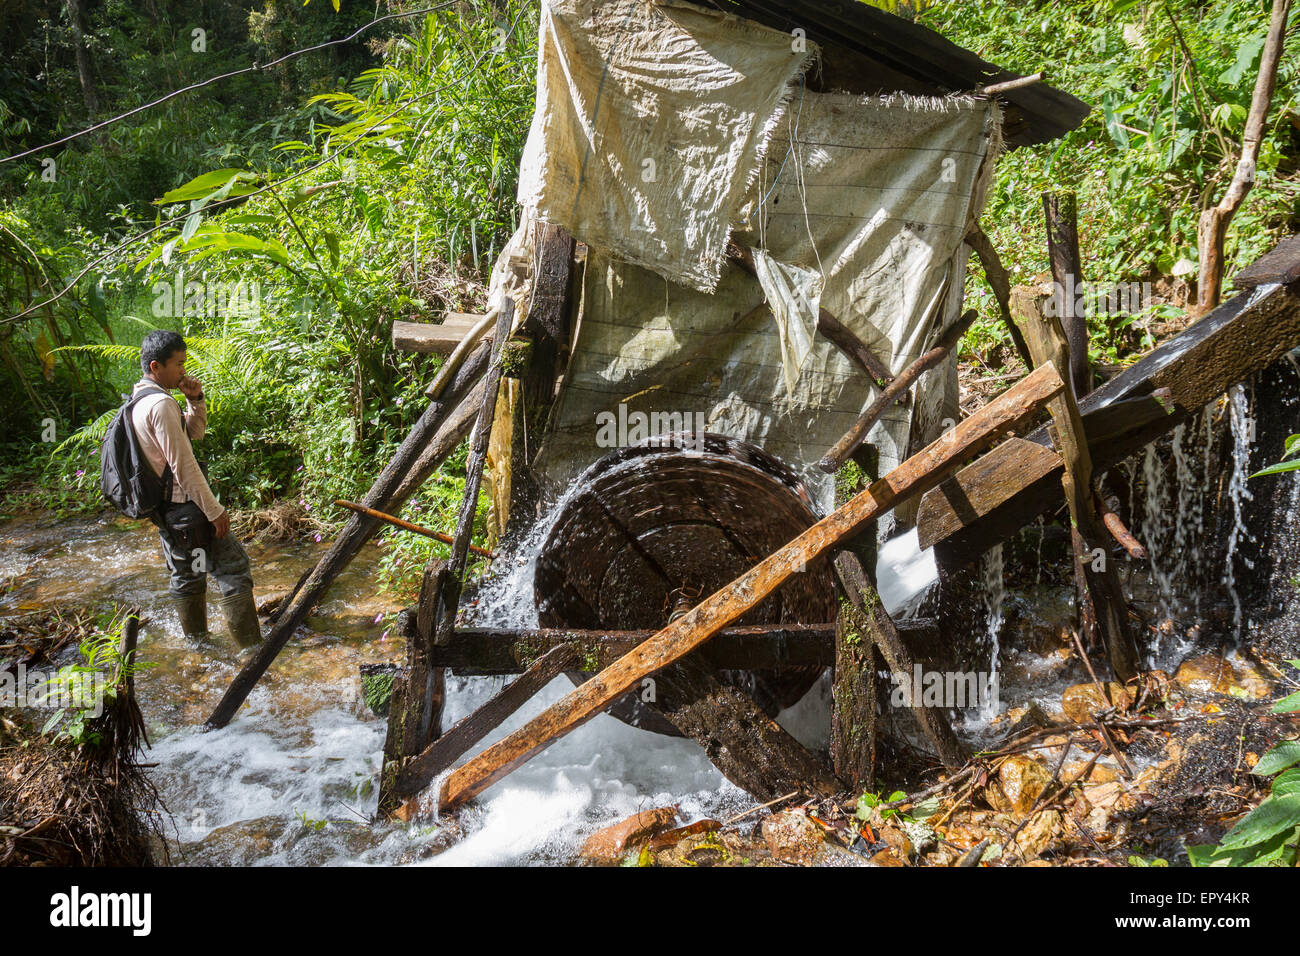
1115,525
1007,86
410,526
847,445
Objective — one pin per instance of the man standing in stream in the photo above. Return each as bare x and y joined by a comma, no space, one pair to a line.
194,527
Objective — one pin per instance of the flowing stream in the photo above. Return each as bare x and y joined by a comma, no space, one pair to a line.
292,779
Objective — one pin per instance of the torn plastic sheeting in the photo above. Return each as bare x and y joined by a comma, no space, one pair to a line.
649,127
794,296
876,195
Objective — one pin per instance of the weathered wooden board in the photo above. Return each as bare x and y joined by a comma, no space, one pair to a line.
485,651
447,749
1282,264
427,337
751,749
679,638
990,500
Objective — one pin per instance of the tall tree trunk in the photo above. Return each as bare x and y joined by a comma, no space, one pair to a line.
76,21
1213,226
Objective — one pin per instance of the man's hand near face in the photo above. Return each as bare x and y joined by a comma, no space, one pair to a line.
190,387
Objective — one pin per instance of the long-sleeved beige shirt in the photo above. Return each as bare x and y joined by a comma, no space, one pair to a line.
165,437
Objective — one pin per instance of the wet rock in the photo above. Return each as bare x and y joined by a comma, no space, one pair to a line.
887,858
1020,781
610,844
1038,833
1100,773
1104,801
1029,717
898,842
1209,674
727,848
793,838
1082,701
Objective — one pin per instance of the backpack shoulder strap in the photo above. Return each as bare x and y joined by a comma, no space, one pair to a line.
148,390
167,477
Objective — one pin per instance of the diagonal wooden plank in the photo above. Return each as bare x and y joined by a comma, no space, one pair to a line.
1182,375
444,751
923,470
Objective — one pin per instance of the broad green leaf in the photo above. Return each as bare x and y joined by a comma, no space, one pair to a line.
192,222
1279,468
1277,851
1288,783
1109,104
1288,705
204,185
1267,820
52,722
1246,54
1279,758
926,808
99,305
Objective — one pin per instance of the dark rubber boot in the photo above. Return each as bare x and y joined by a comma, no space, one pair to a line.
192,609
241,618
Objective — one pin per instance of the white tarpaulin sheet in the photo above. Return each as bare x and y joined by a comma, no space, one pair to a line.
649,127
867,197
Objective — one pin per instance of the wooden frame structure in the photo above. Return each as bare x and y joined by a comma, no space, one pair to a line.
965,505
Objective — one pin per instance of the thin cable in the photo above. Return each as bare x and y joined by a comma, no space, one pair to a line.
275,185
256,67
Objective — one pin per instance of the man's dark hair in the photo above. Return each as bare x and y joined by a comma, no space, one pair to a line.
158,346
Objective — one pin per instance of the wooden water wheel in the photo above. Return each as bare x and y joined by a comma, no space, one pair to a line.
655,527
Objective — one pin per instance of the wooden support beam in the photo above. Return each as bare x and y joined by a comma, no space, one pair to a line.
1047,344
1061,212
1008,86
836,331
1280,264
996,496
856,434
856,674
996,275
450,584
415,706
409,526
447,749
546,333
426,337
854,348
485,651
861,593
435,436
751,749
918,473
418,696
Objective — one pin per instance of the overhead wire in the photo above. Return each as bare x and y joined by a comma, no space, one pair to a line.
269,186
255,68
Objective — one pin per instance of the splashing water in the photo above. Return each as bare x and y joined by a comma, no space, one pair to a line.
995,593
1156,529
1243,434
905,574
